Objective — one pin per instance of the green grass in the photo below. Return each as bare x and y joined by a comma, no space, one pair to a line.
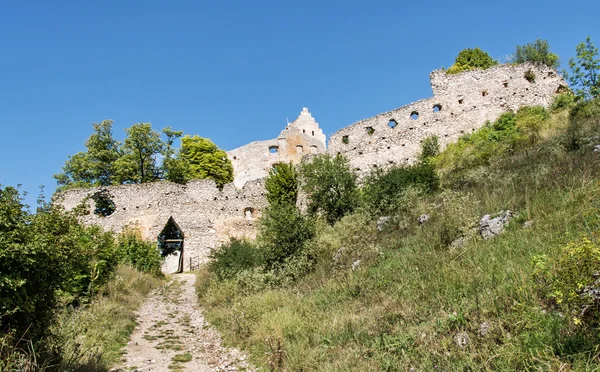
413,294
91,338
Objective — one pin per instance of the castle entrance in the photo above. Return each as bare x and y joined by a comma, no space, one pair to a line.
170,243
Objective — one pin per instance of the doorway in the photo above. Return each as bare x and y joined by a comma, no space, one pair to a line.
170,243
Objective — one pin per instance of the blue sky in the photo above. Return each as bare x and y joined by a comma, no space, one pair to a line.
234,71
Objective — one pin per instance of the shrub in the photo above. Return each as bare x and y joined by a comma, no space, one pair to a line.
231,258
282,184
584,118
330,186
537,52
471,59
141,254
562,101
573,280
430,147
383,189
283,232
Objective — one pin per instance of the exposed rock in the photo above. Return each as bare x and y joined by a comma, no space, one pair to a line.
527,224
381,222
355,265
462,340
597,149
484,328
422,219
490,227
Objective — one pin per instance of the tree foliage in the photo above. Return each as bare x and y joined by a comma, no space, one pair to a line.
537,52
283,233
585,71
203,159
282,184
471,59
144,156
330,185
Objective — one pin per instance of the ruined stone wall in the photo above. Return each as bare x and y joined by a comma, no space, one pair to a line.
254,160
206,215
461,104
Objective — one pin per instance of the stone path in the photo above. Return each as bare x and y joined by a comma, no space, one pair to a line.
172,335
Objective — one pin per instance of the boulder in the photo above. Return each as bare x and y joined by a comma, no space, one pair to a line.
490,227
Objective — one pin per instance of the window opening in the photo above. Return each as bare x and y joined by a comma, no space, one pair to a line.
392,123
437,108
414,115
104,206
273,149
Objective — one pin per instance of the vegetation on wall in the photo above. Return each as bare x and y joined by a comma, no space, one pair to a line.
471,59
537,52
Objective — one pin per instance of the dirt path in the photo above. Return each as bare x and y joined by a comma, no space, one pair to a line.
172,335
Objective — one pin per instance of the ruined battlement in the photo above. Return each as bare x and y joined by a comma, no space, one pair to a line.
207,216
254,160
461,104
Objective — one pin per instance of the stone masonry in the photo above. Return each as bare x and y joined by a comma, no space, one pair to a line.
461,104
208,216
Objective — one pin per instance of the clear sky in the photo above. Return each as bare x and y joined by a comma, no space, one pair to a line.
234,71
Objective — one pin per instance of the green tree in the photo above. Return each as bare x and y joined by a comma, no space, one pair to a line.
282,184
203,159
471,59
430,147
330,186
585,71
94,167
283,233
140,150
537,52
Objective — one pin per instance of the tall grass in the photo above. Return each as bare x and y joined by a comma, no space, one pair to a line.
416,301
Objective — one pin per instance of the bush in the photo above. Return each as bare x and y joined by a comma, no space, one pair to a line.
573,281
232,258
141,254
562,102
383,189
283,232
537,52
471,59
330,186
282,184
430,148
584,119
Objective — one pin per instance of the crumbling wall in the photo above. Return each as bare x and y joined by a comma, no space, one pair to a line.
254,160
207,216
461,104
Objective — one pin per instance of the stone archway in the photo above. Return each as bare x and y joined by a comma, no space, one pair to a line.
170,243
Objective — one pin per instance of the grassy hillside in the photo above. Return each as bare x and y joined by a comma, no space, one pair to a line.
419,300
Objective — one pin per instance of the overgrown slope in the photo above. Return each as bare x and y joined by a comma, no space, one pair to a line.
436,295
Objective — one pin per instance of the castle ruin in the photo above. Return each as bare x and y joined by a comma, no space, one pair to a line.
205,217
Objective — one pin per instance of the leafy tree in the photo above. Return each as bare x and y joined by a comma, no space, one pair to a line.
283,233
140,150
233,257
537,52
203,159
585,71
282,184
330,186
133,250
471,59
95,167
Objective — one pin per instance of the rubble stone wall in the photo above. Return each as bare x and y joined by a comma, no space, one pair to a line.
461,103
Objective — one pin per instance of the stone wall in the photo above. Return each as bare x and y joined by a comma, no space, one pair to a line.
206,215
254,160
461,104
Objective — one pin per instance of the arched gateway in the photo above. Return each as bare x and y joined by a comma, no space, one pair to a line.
170,243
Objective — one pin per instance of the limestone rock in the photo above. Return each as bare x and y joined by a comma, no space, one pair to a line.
422,219
462,340
490,227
